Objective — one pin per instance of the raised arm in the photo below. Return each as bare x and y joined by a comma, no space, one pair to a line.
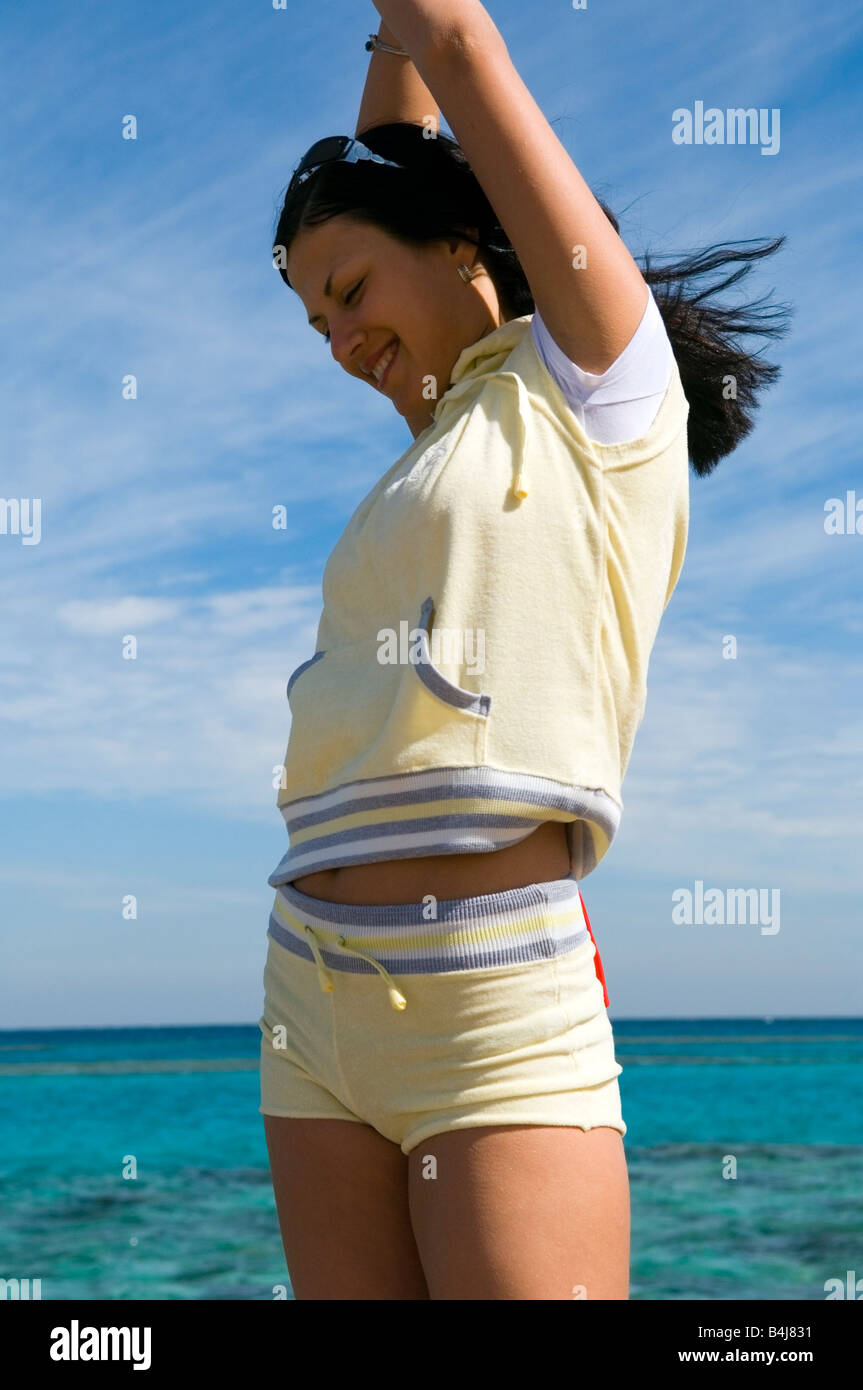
394,90
591,299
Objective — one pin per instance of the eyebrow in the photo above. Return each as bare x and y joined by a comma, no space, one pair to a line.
327,289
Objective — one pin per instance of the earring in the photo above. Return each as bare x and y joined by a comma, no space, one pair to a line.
466,273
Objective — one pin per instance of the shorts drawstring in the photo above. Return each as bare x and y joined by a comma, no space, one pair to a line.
397,999
324,975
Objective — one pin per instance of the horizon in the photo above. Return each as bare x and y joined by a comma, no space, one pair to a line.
644,1018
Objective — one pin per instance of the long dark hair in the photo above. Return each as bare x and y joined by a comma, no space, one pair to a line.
438,196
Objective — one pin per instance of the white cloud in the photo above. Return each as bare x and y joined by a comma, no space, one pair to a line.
157,511
123,615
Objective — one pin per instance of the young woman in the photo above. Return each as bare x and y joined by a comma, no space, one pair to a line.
439,1083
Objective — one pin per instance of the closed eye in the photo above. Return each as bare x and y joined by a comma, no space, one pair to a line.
348,297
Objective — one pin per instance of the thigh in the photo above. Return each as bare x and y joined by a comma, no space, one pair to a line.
522,1212
341,1194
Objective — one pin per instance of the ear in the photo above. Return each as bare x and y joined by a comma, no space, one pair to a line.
465,250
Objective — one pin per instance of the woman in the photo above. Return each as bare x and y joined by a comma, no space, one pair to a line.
439,1083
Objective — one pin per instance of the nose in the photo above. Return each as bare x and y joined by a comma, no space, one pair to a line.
346,346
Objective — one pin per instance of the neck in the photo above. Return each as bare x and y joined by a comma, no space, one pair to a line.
421,421
417,423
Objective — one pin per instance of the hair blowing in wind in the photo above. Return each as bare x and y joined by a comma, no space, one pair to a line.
437,195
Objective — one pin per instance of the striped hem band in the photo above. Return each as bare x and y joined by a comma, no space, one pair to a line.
437,811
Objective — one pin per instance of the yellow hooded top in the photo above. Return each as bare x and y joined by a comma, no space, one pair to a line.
489,613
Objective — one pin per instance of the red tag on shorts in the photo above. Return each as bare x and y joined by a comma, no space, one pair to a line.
597,960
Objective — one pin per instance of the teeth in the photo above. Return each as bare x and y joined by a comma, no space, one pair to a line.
381,365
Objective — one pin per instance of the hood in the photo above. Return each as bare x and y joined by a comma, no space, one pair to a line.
474,365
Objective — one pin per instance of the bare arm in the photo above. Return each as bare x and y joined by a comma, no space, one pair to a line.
585,284
394,90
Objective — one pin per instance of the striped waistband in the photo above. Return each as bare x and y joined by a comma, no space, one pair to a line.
537,922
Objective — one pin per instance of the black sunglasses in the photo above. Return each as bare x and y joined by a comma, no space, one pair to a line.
334,147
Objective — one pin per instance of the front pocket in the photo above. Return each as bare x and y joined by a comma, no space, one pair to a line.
437,683
304,667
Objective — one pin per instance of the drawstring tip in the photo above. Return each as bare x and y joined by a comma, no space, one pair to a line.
397,999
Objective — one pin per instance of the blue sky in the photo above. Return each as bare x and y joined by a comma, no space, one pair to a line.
153,777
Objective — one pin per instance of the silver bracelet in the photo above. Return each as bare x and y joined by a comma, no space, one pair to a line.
376,43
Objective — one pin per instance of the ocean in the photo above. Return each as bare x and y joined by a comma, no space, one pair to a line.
744,1145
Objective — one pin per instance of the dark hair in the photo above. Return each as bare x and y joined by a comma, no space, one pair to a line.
438,196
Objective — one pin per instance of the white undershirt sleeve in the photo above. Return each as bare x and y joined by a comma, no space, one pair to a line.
620,405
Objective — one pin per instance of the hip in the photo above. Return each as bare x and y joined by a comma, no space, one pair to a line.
542,921
487,1011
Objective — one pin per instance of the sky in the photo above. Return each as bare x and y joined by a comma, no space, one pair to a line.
151,257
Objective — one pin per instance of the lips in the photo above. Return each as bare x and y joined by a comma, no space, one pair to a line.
387,356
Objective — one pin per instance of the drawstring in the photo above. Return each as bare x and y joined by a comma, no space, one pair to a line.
519,491
397,999
324,975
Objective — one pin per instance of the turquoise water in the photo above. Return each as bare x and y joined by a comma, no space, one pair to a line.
784,1099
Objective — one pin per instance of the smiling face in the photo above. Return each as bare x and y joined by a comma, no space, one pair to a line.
370,292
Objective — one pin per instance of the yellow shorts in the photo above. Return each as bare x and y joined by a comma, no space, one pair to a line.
489,1013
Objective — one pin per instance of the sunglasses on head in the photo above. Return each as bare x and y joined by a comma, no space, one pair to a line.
342,148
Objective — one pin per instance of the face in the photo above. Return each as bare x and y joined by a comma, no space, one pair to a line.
368,292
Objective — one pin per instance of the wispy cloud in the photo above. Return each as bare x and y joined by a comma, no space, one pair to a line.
151,259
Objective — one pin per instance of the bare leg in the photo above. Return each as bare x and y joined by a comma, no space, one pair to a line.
523,1212
342,1198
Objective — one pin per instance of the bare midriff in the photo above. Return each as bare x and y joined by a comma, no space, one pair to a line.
540,858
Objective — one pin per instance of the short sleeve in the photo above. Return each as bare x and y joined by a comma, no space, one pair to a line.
620,404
